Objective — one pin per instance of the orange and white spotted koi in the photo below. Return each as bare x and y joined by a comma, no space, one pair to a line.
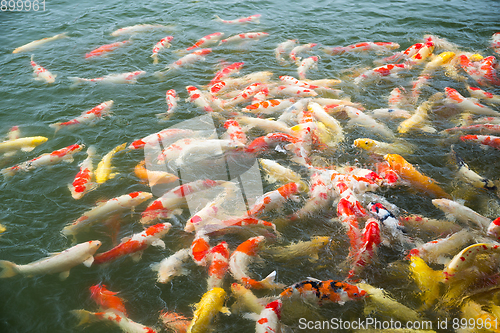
140,28
483,71
57,156
268,107
240,259
438,251
282,48
200,249
362,47
468,104
495,42
123,78
488,140
216,84
41,74
198,55
246,94
244,37
397,98
406,54
422,54
305,65
250,19
494,229
483,95
82,184
107,299
207,40
90,116
294,91
162,44
369,243
264,143
171,98
135,245
209,213
382,72
105,209
219,264
246,222
119,319
389,175
234,132
304,48
466,258
320,195
199,99
104,49
165,136
268,321
274,199
175,322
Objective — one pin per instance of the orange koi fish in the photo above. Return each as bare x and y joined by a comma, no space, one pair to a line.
134,245
101,50
362,47
238,265
250,19
274,199
219,257
107,299
154,177
90,116
319,292
162,44
175,322
408,172
207,40
41,74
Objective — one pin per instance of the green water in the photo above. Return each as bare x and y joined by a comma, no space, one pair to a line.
35,206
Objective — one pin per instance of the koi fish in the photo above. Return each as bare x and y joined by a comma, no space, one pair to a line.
234,131
268,321
305,65
389,222
481,128
317,291
211,303
140,28
403,55
90,116
82,184
278,173
369,243
268,107
361,118
175,322
282,48
37,43
488,140
362,47
171,266
200,249
219,265
247,93
438,227
196,97
309,248
419,118
408,173
470,176
427,280
40,73
162,44
274,199
495,42
382,148
423,53
135,245
243,37
153,177
468,104
484,95
120,320
461,212
483,71
171,99
304,48
224,73
63,154
60,262
101,50
391,70
103,210
123,78
439,60
494,229
107,299
238,265
164,136
466,259
207,40
103,171
24,144
250,19
390,113
294,91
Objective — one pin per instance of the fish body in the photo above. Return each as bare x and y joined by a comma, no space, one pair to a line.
104,49
242,20
165,136
390,70
483,95
161,45
41,74
309,248
82,184
211,303
468,104
176,322
282,48
390,113
207,40
60,262
370,242
86,117
103,171
487,140
24,144
171,98
243,37
127,325
103,210
461,212
382,148
389,222
470,176
274,199
269,318
234,132
278,173
153,177
495,42
138,28
200,249
362,47
303,48
107,299
305,65
122,78
422,54
466,258
171,266
219,264
37,43
268,107
199,99
426,279
363,119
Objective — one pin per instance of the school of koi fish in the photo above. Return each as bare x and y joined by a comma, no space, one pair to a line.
296,128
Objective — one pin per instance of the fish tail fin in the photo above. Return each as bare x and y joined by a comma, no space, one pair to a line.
76,81
8,172
155,58
269,283
84,316
64,35
163,116
56,127
218,19
8,269
32,57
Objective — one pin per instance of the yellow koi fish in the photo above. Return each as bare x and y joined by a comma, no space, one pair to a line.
210,304
103,171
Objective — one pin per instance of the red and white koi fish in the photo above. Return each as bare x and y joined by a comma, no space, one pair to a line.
422,54
488,140
200,249
41,74
171,202
171,99
494,229
238,265
90,116
175,322
294,91
406,54
388,174
438,251
250,19
483,95
305,65
483,71
470,176
103,210
207,40
265,142
397,97
140,28
495,42
234,132
165,136
219,264
107,299
428,225
234,83
243,37
274,199
462,213
223,73
246,222
369,243
82,184
189,59
119,319
209,213
123,78
418,84
268,321
468,104
161,45
320,292
57,156
304,48
135,245
466,258
246,94
60,262
37,43
320,195
268,107
197,97
282,48
389,222
104,49
362,47
171,266
382,72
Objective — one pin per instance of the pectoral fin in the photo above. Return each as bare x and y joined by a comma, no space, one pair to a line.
88,262
64,275
159,243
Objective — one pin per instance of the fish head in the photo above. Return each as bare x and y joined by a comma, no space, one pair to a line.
94,245
353,292
39,140
276,307
366,144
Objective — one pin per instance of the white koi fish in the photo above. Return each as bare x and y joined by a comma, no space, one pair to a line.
165,136
468,104
41,74
90,116
386,71
188,59
360,118
123,78
305,65
37,43
171,266
390,113
103,210
267,125
470,176
275,172
304,48
140,28
111,316
60,262
171,98
250,19
462,213
282,48
162,44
